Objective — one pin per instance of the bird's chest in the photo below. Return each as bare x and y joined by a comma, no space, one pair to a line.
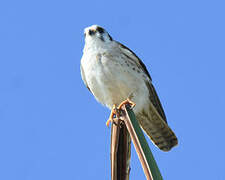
107,77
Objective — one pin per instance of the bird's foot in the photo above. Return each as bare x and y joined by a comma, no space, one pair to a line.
113,112
127,101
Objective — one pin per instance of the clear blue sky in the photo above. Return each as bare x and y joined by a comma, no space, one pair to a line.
51,127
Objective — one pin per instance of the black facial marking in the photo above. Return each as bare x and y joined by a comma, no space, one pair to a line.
110,38
100,30
91,32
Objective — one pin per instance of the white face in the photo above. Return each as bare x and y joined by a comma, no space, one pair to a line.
96,33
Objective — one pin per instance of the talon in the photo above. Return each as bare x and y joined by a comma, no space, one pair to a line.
127,101
113,112
108,122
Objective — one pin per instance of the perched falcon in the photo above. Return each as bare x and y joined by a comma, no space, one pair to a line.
113,73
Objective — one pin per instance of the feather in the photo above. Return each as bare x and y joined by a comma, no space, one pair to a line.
153,121
132,56
83,77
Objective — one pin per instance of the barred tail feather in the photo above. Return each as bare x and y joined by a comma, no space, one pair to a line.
157,129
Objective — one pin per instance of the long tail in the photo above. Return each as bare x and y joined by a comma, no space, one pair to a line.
157,129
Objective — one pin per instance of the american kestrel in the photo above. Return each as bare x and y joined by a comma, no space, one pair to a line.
113,73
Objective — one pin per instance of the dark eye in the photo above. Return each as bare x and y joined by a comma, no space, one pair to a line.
100,30
91,32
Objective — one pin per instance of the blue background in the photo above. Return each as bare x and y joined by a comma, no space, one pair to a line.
51,127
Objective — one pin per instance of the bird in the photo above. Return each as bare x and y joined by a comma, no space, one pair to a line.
113,73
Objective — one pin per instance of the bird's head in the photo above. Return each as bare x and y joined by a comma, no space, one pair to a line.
96,33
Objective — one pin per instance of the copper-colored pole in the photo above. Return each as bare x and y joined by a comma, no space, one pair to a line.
115,130
120,151
123,129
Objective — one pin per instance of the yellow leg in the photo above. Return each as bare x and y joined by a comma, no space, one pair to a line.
113,112
127,101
